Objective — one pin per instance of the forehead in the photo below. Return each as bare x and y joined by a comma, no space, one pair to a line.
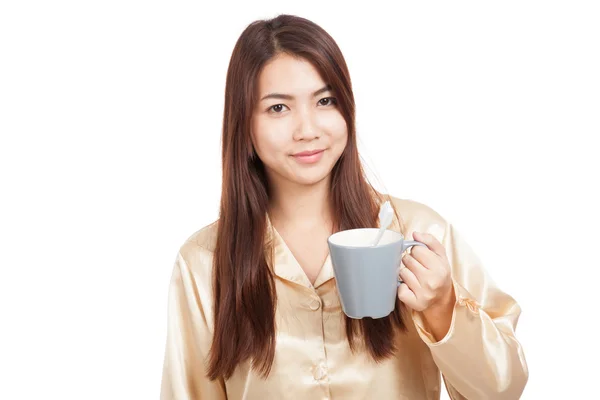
287,74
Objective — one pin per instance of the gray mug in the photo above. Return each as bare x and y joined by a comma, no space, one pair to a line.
367,277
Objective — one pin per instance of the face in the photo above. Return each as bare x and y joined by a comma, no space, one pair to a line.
297,129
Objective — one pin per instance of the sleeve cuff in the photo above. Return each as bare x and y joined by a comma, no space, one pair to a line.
464,303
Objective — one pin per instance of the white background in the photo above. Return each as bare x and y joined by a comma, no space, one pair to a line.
110,118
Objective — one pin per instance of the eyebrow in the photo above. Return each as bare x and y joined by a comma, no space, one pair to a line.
325,88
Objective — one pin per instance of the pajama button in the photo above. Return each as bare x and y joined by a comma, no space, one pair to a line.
315,305
320,373
471,304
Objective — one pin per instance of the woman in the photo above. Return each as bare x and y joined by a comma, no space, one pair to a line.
253,307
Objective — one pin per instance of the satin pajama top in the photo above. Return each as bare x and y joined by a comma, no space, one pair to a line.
479,358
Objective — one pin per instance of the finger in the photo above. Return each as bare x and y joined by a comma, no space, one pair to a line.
424,256
407,296
410,279
431,242
413,265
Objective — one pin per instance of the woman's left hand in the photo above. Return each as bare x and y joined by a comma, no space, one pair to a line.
427,283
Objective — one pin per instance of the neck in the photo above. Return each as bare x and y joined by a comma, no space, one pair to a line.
300,205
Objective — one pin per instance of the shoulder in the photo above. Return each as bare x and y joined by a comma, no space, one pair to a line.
192,278
413,210
418,216
204,238
197,250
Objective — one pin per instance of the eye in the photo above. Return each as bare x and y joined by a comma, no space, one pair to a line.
328,101
277,108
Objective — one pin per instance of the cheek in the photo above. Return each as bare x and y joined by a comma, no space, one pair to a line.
337,128
269,138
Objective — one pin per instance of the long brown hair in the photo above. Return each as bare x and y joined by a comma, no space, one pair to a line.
244,287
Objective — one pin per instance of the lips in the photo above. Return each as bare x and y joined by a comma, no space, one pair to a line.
310,157
307,153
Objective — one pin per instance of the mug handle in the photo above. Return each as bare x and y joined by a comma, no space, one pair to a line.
406,245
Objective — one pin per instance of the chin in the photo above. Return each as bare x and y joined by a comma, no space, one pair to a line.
309,181
310,177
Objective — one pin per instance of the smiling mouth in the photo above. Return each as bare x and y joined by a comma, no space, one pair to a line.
308,153
309,157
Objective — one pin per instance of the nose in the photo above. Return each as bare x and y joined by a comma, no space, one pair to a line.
307,127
